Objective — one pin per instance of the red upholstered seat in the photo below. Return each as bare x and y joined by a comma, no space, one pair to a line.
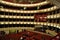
28,35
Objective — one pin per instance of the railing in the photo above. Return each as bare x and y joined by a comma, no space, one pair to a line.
29,11
16,28
21,17
24,5
53,16
30,17
41,23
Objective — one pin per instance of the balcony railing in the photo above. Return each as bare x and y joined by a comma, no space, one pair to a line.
29,11
24,5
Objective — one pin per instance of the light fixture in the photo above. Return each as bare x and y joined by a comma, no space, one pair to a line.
6,22
18,22
2,16
10,17
24,8
38,7
18,16
2,23
14,22
10,23
14,16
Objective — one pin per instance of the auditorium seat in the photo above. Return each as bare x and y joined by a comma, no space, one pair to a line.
27,35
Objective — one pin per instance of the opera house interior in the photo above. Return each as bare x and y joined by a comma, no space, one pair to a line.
29,20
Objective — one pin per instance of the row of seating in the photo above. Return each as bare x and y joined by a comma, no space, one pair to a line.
29,35
26,35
